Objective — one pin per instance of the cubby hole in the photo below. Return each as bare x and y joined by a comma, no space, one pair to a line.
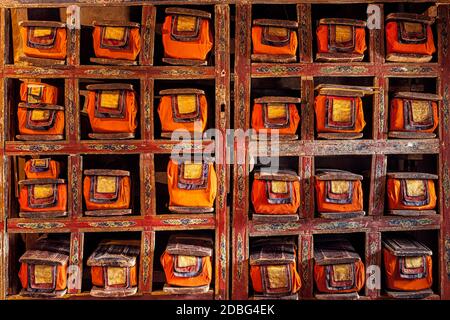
289,87
14,49
253,240
160,18
357,240
161,241
430,238
13,100
208,86
417,8
90,14
162,191
367,100
422,163
91,242
355,11
355,164
128,162
18,244
272,163
278,12
85,125
17,173
418,84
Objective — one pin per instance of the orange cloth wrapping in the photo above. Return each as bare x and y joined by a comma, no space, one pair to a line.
255,275
258,120
320,278
98,279
262,206
61,202
260,48
191,198
395,282
56,51
203,278
394,46
61,276
342,114
51,173
123,197
38,92
397,117
167,120
196,49
56,129
322,39
323,206
128,53
394,194
127,124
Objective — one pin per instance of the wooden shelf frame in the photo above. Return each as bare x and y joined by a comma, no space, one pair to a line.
308,147
148,221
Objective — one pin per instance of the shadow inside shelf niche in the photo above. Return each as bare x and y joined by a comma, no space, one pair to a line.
357,240
352,163
91,241
417,8
272,163
17,173
162,197
90,14
208,86
13,99
355,11
128,162
429,238
85,124
160,18
367,101
18,244
161,240
288,87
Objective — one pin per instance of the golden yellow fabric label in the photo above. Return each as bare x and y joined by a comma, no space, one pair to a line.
278,31
342,110
342,272
415,188
116,276
114,33
106,184
186,23
340,186
192,171
413,262
187,103
186,261
109,99
276,110
421,110
40,115
344,33
42,32
43,274
412,27
42,191
279,186
277,275
34,93
39,162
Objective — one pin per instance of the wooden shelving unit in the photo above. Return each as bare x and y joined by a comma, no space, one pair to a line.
229,69
374,153
151,220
